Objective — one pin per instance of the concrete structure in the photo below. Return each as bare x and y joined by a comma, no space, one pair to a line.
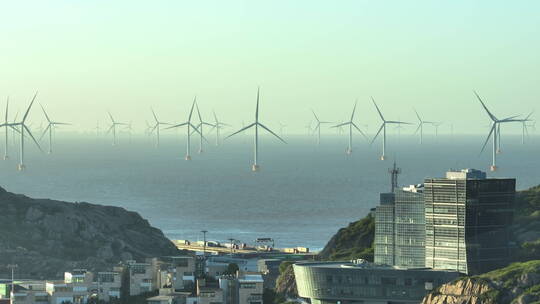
467,221
362,282
250,288
208,293
142,277
400,228
82,283
181,271
109,284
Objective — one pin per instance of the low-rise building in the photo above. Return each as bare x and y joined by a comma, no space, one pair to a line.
109,284
250,288
364,282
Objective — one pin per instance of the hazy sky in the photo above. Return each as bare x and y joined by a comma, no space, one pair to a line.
90,57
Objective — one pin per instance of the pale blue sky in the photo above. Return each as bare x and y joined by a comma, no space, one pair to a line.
88,57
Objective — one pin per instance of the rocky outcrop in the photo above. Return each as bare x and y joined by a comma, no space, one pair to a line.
286,283
46,237
518,283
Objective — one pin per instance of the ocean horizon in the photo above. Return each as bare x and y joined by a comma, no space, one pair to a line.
303,194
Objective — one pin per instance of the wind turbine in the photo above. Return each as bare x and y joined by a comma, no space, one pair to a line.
6,125
383,128
318,126
189,126
351,124
113,128
256,124
421,124
437,125
156,126
23,127
524,130
200,128
50,125
218,125
495,128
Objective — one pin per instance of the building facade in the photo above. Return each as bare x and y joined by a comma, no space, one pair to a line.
467,221
363,282
400,228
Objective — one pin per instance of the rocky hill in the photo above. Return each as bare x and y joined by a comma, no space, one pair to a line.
352,242
518,283
46,237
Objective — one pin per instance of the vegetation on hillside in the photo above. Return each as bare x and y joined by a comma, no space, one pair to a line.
352,242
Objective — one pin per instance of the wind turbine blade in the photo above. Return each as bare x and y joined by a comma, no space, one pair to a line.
357,128
45,131
110,115
485,108
418,129
316,118
198,112
510,119
241,130
377,107
45,113
215,117
354,110
154,114
154,128
378,132
257,107
192,107
341,124
32,136
61,123
29,107
196,129
176,126
264,127
110,129
418,116
398,122
489,135
7,109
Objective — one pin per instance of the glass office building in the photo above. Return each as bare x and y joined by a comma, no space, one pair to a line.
400,229
467,221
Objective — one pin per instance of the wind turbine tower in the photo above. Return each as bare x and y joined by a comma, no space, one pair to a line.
50,126
420,127
113,128
7,126
494,131
200,128
318,126
351,124
189,127
23,127
383,128
256,125
156,126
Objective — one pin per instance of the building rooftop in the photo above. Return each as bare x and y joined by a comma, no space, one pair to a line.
251,278
466,174
361,264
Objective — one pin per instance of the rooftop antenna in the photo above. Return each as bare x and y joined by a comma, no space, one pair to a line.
394,172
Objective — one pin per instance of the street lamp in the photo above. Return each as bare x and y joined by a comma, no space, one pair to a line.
12,267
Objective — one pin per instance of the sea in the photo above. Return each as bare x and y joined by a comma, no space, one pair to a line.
303,194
